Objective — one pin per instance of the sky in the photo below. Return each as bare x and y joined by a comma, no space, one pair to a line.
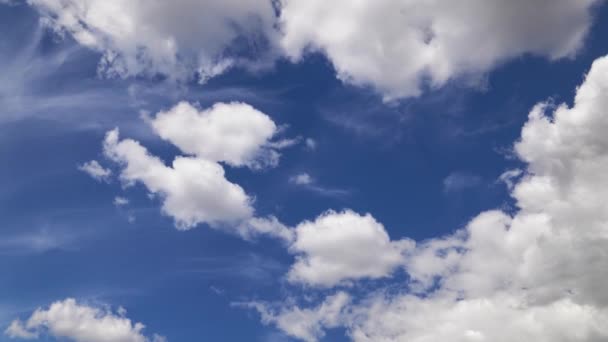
288,170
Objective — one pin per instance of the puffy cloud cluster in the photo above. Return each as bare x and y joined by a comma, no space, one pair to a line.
171,38
77,322
400,46
396,46
533,275
194,188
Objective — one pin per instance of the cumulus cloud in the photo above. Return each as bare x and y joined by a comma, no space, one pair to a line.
194,190
81,323
400,46
533,275
95,170
343,246
234,133
176,39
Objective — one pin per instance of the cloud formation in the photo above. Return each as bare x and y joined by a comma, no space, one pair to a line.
401,46
80,323
532,275
343,246
234,133
194,190
398,47
95,170
176,39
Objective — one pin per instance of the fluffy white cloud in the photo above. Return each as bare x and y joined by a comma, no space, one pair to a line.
234,133
173,38
398,45
343,246
194,190
79,323
95,170
534,275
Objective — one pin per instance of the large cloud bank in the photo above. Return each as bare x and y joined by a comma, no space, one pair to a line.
396,46
535,275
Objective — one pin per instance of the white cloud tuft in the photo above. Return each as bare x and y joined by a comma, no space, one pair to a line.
80,323
305,324
95,170
460,181
301,179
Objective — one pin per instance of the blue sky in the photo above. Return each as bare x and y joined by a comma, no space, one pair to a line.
423,165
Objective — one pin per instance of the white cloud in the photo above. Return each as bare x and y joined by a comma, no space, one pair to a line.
95,170
234,133
301,179
80,323
311,144
398,45
342,246
120,201
176,38
533,275
269,226
194,190
305,324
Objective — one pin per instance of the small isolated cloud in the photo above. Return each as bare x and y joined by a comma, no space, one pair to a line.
306,181
71,320
95,170
311,144
120,201
460,181
301,179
